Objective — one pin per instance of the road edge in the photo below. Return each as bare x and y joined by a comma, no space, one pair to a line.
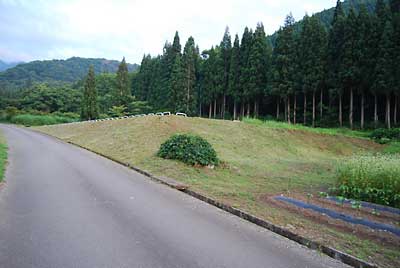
329,251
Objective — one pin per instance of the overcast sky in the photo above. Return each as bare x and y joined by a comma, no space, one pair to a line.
59,29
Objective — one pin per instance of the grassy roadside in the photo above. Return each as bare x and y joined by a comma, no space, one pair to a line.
3,155
258,160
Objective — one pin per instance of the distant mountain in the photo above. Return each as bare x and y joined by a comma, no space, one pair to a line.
6,65
326,15
55,71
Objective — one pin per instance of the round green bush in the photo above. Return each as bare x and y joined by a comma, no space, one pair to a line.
190,149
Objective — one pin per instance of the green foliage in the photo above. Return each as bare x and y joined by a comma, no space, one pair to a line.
9,113
284,60
382,135
46,98
370,178
39,120
190,57
3,156
140,107
90,109
392,148
189,149
122,92
117,111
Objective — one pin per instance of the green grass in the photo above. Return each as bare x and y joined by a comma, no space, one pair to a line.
3,156
374,178
326,131
392,148
39,120
258,159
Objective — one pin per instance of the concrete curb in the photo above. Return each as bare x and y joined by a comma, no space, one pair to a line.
331,252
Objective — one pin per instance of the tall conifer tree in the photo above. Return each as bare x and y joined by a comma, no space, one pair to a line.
384,79
348,70
234,76
245,48
335,55
189,61
259,61
89,108
122,94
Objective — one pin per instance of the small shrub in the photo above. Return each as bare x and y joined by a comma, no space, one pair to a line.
189,149
373,178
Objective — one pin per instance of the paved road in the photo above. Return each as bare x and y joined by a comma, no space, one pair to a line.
62,206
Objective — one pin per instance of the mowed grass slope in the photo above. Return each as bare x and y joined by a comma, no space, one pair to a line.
257,161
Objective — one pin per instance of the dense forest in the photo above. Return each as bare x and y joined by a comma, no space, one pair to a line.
335,68
55,72
344,74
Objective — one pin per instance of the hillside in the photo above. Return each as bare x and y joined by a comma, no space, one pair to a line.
6,65
326,15
55,71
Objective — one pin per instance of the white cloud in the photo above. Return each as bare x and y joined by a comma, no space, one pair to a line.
48,29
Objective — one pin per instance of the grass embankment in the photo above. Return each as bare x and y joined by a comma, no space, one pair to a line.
3,156
328,131
258,160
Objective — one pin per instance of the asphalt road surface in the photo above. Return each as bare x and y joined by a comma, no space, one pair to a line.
62,206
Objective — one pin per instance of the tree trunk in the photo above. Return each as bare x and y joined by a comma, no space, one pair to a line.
215,108
351,109
313,109
285,109
375,110
255,109
388,111
188,92
200,109
234,110
277,109
223,106
294,109
305,109
362,109
288,110
248,109
395,111
220,108
210,111
321,104
242,110
340,112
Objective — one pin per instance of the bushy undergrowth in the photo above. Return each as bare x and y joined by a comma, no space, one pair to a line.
39,120
382,135
189,149
373,178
